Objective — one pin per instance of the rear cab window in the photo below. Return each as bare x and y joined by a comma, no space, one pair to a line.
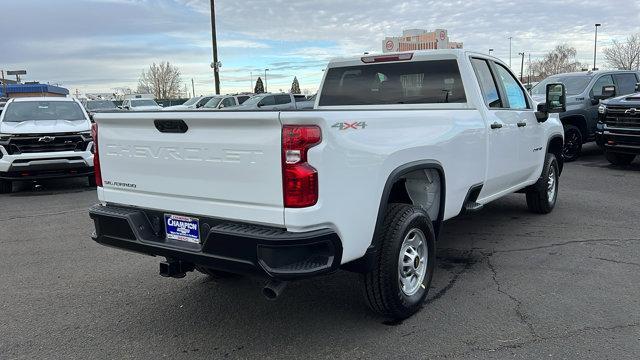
416,82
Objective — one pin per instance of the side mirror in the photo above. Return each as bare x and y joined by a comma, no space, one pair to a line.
556,102
608,91
260,104
91,117
638,87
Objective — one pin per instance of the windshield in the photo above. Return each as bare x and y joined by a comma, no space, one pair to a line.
136,103
253,101
574,84
43,110
191,101
100,104
213,103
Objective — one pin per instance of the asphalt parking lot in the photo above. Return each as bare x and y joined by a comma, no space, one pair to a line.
509,284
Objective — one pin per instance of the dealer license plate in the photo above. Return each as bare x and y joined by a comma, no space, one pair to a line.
182,228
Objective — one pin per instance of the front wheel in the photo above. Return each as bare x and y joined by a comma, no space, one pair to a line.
618,158
542,196
400,280
572,143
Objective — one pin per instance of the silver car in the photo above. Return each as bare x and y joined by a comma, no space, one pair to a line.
272,102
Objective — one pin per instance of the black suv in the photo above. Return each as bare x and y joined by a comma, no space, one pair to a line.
618,128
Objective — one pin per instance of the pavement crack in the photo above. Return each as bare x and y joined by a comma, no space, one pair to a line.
518,304
565,244
468,264
616,261
42,214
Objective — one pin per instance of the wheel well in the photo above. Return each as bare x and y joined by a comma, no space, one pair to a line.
555,147
578,121
422,188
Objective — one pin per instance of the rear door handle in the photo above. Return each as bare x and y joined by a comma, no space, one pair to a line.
496,125
522,124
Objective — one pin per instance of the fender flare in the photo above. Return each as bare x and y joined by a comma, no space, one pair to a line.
560,159
367,262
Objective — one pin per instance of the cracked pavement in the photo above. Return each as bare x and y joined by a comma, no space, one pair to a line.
509,284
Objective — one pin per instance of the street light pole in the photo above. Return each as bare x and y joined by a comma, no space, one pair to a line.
490,51
216,68
251,81
521,67
265,79
510,37
595,47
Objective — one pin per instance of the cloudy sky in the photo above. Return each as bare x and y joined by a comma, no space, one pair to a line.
99,45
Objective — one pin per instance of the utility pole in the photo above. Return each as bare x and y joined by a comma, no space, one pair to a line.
521,66
529,70
265,79
510,37
193,88
595,48
216,64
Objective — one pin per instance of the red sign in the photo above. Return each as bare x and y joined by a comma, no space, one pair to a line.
389,45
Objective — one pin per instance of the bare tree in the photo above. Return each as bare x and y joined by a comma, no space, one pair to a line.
624,55
559,60
162,80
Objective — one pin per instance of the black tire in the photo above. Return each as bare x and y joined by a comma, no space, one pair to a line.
538,198
215,274
92,181
5,186
382,288
618,158
573,140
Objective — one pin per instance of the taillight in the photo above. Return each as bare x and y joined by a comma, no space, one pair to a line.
96,156
300,180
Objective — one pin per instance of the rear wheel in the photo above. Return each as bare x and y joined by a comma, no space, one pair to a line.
572,143
618,158
215,274
400,280
5,186
542,196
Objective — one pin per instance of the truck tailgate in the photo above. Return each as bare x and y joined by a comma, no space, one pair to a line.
226,164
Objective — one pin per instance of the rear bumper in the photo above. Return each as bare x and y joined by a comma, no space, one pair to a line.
621,140
226,246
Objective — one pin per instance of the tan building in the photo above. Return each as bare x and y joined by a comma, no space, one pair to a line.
419,39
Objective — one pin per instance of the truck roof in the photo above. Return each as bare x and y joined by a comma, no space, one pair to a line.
41,98
417,55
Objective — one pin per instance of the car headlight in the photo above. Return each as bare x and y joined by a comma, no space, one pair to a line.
86,135
5,137
602,109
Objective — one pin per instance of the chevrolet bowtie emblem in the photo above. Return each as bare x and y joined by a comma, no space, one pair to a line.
631,111
46,139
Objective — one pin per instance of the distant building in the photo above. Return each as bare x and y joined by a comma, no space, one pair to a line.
419,39
27,90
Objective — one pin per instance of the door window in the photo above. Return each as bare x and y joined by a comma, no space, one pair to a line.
515,94
228,102
487,84
267,101
605,80
282,99
626,83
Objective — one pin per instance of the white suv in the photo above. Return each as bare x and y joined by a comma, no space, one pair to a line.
44,138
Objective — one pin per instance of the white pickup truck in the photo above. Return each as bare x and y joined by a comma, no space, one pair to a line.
395,145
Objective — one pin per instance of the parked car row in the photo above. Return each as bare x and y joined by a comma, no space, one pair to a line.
585,91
